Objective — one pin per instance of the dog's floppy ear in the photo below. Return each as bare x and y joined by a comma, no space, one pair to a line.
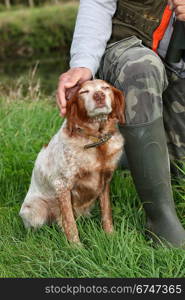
72,112
119,105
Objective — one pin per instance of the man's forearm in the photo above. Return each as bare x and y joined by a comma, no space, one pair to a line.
92,31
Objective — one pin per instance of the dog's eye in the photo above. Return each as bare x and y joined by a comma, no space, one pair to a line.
105,87
84,92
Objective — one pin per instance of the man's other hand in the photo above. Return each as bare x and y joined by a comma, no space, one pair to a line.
68,83
179,8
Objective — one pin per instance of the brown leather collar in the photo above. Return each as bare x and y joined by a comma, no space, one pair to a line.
100,140
96,140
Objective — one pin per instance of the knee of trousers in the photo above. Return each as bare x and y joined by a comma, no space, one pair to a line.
143,79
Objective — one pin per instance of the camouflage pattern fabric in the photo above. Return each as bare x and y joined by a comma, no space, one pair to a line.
142,76
174,116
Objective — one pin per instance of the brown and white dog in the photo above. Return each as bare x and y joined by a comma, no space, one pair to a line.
76,167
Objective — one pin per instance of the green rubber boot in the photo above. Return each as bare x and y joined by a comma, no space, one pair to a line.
148,159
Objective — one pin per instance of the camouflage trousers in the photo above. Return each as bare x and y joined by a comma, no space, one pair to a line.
151,91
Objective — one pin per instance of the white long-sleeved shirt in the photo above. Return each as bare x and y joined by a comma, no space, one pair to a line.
93,30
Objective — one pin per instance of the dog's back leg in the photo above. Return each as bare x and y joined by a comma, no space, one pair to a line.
34,212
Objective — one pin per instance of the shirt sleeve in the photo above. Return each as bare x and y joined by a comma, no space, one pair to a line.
92,31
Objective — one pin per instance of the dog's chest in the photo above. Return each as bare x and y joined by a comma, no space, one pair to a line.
97,166
104,156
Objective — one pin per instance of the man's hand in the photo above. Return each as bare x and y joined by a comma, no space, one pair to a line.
68,83
179,8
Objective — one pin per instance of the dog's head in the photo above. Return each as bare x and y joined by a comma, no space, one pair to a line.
94,98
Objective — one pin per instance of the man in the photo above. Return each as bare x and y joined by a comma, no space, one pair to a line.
138,34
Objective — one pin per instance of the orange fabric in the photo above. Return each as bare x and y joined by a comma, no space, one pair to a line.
159,32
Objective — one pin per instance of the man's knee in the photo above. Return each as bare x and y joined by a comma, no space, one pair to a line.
141,65
143,79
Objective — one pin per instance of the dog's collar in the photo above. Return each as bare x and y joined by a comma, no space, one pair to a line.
99,140
96,140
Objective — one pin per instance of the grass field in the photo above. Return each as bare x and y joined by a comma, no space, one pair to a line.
24,127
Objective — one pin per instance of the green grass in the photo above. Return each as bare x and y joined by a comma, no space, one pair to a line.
39,31
24,127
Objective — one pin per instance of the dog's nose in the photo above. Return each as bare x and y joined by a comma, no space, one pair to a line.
99,97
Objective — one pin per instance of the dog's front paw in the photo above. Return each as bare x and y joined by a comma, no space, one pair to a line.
108,228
